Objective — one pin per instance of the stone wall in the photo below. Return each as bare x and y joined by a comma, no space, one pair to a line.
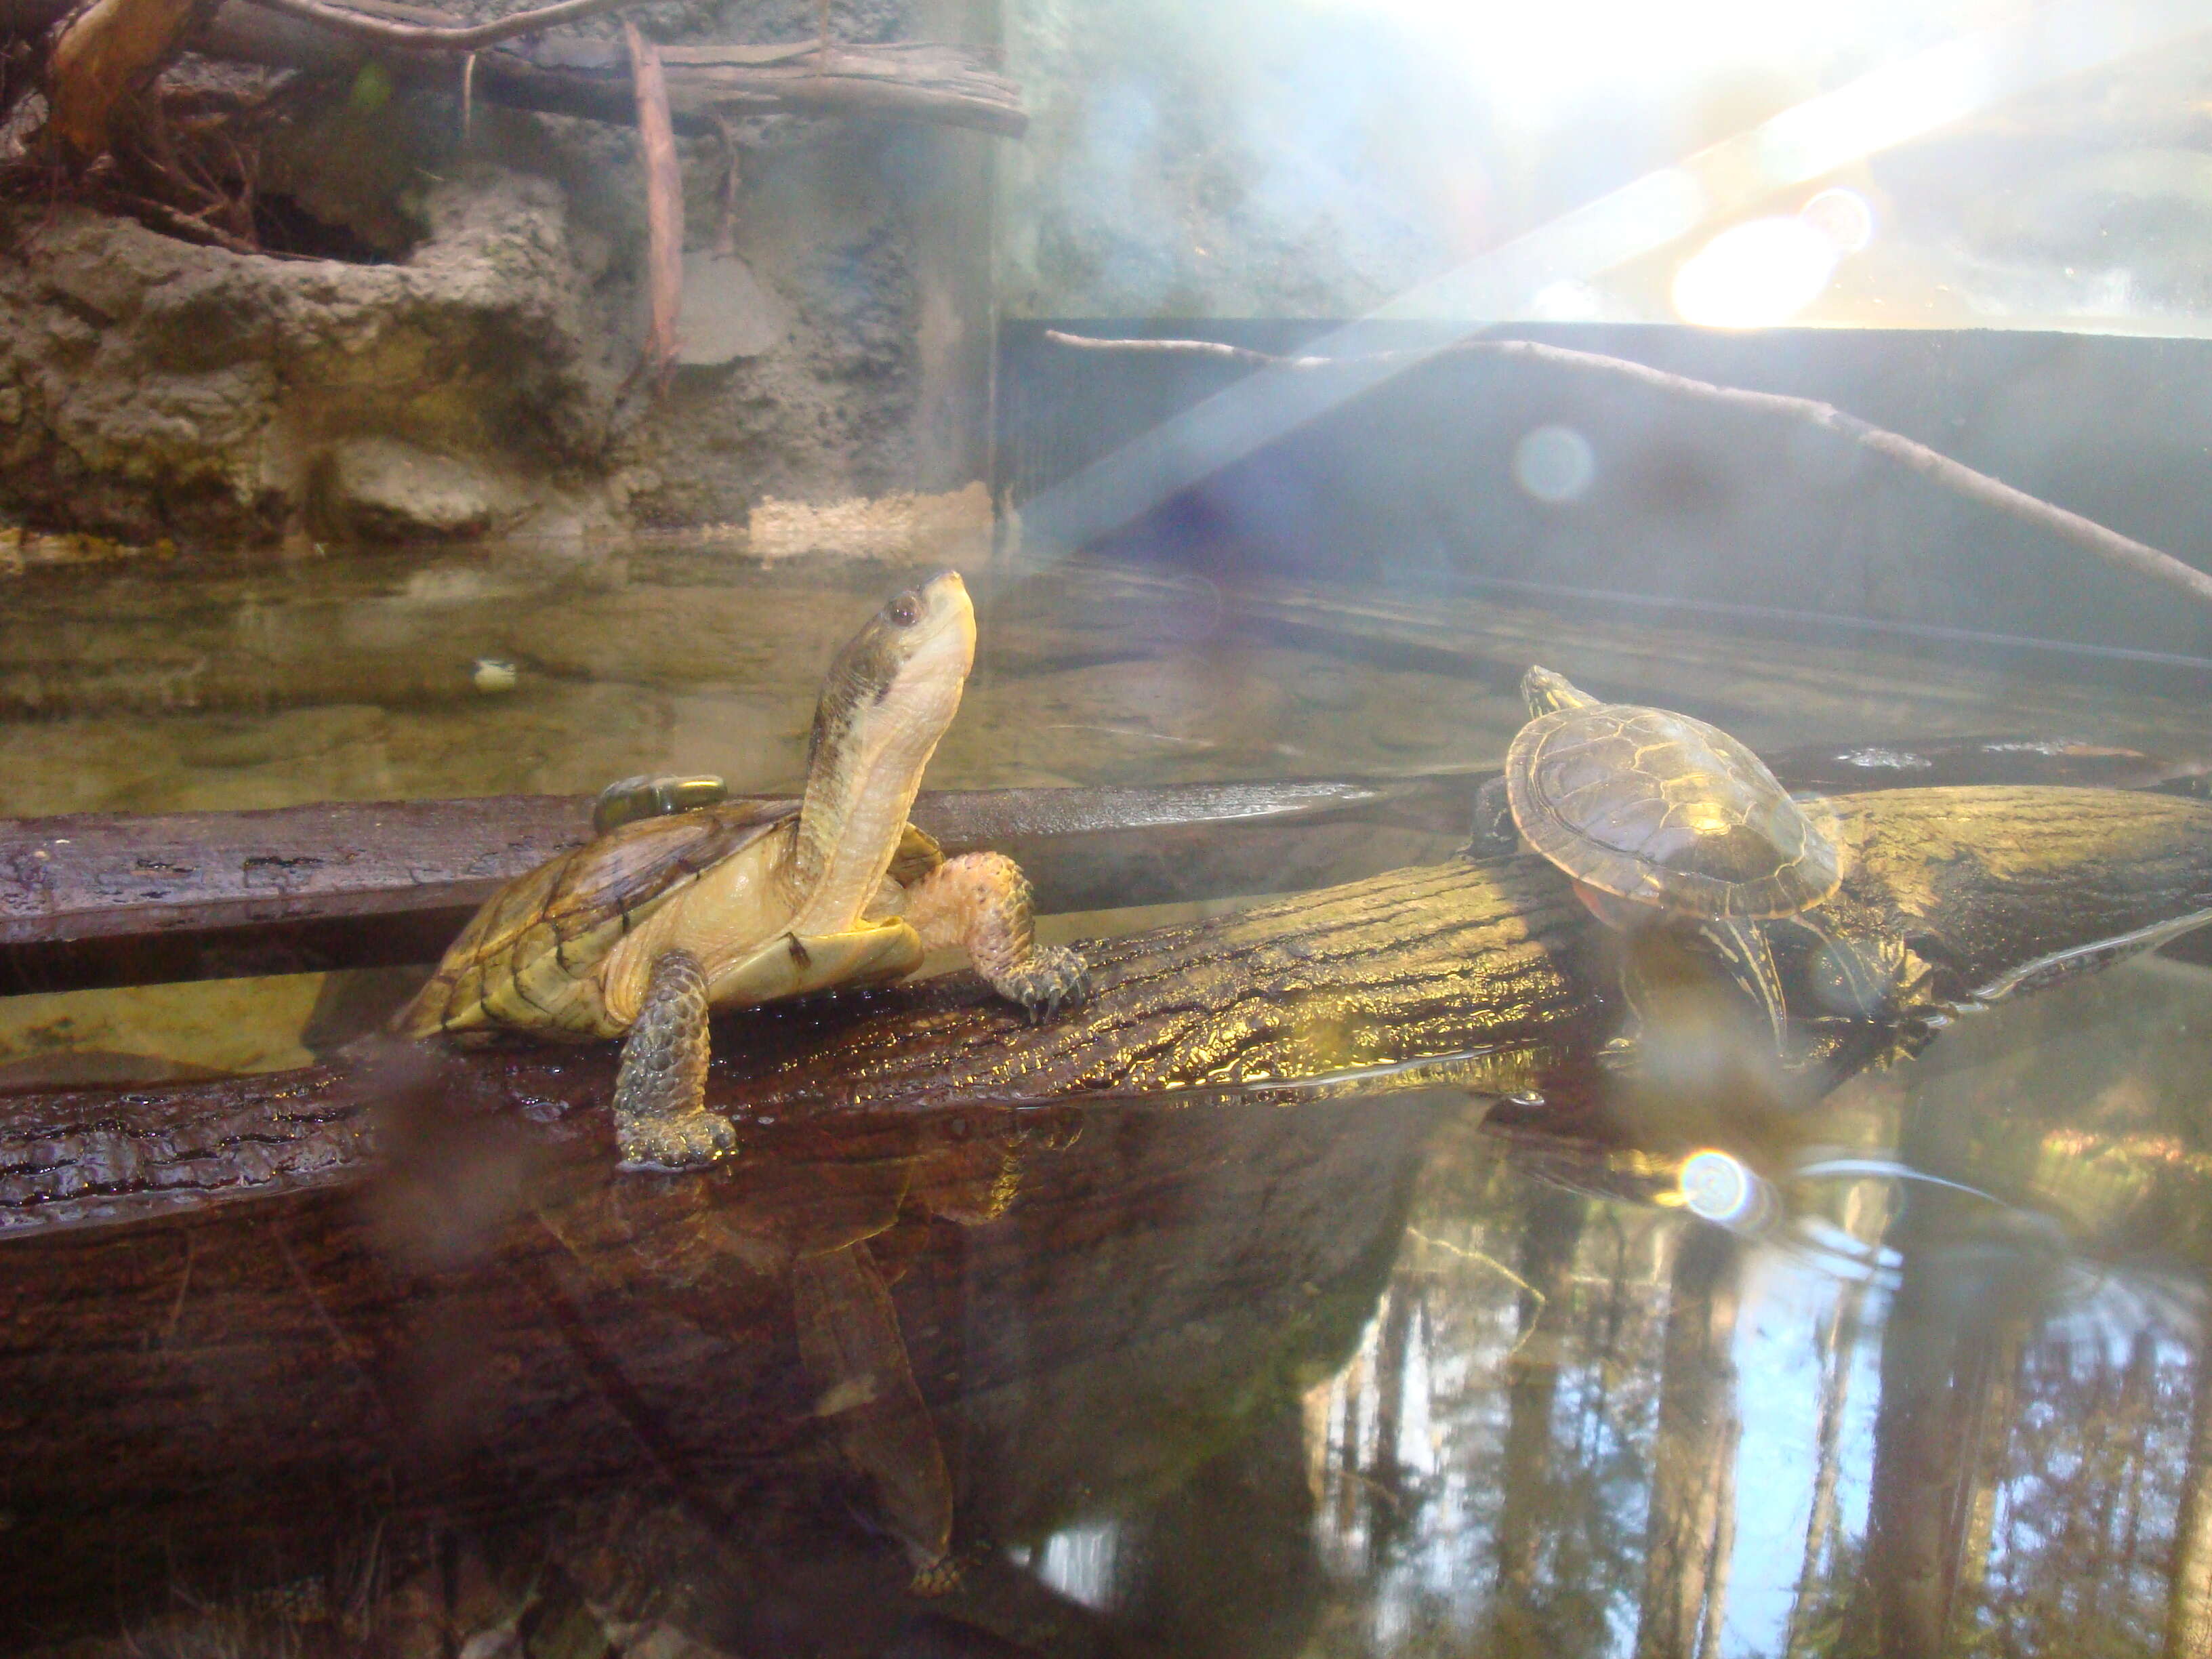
470,367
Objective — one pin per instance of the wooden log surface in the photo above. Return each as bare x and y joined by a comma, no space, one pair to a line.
1485,974
110,899
94,900
937,82
230,1310
940,83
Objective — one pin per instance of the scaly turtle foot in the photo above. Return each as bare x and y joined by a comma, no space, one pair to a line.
674,1143
1054,975
936,1578
661,1119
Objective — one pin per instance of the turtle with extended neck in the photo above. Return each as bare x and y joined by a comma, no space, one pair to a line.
640,932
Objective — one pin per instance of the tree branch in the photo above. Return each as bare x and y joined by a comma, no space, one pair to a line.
440,37
663,205
2071,527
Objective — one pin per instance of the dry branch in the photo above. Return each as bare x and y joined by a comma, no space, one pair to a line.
2070,527
948,85
664,203
103,56
440,37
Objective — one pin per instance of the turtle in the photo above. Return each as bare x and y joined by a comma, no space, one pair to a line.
686,904
1662,820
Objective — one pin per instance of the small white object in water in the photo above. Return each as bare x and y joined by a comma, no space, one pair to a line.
493,676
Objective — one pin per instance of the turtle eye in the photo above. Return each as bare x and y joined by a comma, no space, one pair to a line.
905,610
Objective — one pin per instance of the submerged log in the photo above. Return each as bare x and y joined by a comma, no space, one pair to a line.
1485,975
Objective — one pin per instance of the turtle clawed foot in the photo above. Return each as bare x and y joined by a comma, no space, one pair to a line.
671,1144
933,1579
1052,977
1621,1056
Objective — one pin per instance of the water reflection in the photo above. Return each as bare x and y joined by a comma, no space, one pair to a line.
1911,1369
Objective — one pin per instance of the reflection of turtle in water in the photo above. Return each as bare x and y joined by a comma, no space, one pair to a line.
1662,820
642,931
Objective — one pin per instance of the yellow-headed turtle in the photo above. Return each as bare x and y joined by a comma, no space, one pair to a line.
638,934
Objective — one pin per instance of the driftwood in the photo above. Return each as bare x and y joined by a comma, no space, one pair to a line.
2105,544
1485,974
940,83
664,203
108,900
101,900
107,52
232,1311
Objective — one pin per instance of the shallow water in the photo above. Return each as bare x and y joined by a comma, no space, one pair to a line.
1368,1374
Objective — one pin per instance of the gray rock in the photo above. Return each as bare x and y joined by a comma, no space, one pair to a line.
381,489
727,312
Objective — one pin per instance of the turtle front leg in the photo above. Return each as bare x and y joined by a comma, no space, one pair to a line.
1749,964
980,902
661,1119
1495,834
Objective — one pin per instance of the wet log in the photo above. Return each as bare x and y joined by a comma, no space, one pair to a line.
1486,975
231,1311
98,899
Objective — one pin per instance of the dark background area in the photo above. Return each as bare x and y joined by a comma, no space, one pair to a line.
1760,523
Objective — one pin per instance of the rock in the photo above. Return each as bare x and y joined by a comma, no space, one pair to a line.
727,312
169,388
381,489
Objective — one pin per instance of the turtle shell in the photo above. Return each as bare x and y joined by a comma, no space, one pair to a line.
527,961
1663,809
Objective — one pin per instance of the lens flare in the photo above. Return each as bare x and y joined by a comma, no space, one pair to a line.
1844,216
1554,464
1718,1188
1755,275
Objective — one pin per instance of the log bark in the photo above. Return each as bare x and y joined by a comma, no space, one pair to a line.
230,1312
104,54
1484,975
99,899
488,1338
664,202
94,900
944,85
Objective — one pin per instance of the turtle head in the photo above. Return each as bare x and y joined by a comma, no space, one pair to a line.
888,698
1547,693
904,668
